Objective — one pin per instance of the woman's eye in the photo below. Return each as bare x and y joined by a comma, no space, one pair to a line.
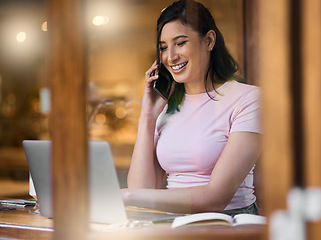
181,43
162,48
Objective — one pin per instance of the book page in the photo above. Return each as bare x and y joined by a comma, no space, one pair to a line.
242,219
208,218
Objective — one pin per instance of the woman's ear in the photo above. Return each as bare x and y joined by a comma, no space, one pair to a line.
210,39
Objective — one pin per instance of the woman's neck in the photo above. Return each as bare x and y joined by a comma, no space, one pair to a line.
197,88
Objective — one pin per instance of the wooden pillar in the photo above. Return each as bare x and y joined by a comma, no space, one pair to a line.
68,125
311,54
251,41
274,74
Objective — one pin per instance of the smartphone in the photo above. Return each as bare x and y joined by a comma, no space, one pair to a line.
163,83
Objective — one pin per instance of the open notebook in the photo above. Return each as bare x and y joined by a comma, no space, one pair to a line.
106,203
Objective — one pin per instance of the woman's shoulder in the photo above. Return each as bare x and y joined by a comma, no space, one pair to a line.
237,92
242,85
236,88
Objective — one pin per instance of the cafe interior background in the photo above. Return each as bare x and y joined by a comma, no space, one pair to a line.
121,47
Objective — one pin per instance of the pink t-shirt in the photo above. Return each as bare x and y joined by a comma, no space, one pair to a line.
191,140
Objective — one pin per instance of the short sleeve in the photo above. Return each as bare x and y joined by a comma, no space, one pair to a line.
247,115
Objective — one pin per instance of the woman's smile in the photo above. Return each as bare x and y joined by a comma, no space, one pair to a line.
178,67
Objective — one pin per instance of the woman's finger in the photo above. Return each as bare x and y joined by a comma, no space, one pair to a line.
151,71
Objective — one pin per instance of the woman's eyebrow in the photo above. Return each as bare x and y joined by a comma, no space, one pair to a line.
175,38
180,36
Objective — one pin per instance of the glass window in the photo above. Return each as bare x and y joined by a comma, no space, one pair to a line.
121,47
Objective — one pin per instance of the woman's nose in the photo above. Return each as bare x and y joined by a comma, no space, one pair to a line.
172,55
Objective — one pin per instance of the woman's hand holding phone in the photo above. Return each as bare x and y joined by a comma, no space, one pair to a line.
152,104
163,84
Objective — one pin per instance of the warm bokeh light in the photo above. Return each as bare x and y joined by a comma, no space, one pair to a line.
100,118
44,26
36,106
120,112
21,37
100,20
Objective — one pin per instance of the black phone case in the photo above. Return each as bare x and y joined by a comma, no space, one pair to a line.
163,84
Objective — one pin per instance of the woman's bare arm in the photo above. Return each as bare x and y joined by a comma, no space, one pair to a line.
144,171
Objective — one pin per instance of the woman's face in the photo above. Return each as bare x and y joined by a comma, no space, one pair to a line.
185,54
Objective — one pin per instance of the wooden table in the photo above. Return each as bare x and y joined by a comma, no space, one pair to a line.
23,224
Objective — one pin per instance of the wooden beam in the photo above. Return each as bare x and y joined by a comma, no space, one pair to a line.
274,75
68,125
251,41
240,34
311,54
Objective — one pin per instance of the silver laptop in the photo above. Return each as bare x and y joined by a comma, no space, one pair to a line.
106,203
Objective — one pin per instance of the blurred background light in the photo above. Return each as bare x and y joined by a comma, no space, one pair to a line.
44,26
120,112
100,118
21,37
100,20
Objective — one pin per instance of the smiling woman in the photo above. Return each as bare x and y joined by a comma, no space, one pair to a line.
206,137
